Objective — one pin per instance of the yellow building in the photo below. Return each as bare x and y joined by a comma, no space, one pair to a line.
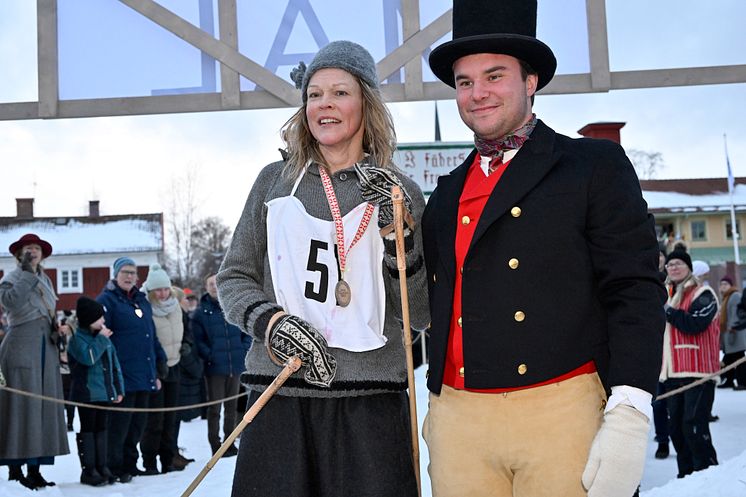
697,212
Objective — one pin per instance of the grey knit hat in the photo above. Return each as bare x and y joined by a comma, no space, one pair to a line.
342,54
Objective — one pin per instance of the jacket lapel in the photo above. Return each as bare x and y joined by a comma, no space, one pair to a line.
449,191
534,160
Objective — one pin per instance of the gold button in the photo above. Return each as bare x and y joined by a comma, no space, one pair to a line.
435,279
461,372
519,316
513,263
515,211
522,369
462,269
459,321
465,220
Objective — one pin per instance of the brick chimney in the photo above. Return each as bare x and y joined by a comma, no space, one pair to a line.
607,131
24,208
93,210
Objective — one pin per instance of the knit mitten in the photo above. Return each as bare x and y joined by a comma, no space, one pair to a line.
617,454
292,336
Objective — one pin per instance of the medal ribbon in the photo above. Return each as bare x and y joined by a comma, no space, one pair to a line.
337,217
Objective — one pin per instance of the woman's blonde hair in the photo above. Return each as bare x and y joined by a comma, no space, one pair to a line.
379,138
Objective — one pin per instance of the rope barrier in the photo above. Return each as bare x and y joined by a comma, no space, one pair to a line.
701,380
232,397
120,409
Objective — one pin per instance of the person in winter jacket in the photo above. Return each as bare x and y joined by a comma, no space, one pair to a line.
159,437
95,378
129,315
733,334
222,346
32,432
191,380
690,351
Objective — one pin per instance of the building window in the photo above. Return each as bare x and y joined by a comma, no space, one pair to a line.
729,230
699,233
69,281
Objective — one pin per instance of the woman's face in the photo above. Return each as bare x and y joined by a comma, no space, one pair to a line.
334,111
35,251
162,294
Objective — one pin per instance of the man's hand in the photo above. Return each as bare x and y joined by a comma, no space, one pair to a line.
291,336
617,455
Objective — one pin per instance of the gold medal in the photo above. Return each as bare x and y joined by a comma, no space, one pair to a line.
342,293
138,313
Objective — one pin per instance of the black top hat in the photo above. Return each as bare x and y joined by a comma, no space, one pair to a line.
494,26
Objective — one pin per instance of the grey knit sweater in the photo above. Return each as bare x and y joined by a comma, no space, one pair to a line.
248,299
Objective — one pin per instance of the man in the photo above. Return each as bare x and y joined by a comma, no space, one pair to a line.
223,347
691,350
542,263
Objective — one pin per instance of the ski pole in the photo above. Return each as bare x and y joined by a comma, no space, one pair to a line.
398,200
291,366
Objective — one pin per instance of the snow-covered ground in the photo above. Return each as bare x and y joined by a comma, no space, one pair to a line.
726,480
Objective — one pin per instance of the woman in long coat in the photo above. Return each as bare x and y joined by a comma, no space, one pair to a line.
32,431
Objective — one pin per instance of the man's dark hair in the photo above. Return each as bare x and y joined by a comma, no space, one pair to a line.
526,69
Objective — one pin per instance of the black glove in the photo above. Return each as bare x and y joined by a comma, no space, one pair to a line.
162,369
185,349
375,187
26,262
292,336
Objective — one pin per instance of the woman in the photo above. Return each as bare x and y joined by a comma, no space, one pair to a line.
306,275
32,431
159,437
129,315
690,352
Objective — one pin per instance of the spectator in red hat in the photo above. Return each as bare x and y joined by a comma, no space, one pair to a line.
32,431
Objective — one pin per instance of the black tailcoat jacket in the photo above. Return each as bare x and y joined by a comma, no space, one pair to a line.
583,284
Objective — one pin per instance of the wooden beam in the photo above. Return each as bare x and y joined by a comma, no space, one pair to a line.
230,81
415,45
47,59
217,49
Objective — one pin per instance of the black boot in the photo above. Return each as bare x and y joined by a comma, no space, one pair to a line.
35,477
101,453
15,473
662,452
87,454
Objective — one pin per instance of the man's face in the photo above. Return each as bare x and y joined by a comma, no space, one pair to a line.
127,278
492,97
212,287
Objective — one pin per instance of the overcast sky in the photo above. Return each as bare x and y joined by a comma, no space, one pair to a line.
128,162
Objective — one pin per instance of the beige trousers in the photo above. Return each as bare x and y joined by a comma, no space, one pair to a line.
528,443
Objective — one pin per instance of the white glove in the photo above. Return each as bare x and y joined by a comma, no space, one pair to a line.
617,455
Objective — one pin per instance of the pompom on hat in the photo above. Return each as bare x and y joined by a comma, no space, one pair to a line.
506,27
88,311
31,239
341,54
157,278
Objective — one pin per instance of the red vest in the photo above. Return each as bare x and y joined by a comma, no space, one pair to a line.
687,355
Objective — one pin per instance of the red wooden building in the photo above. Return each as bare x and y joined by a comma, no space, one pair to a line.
84,247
